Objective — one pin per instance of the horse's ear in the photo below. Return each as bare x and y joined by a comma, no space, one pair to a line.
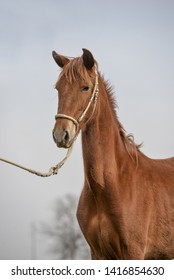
88,59
60,59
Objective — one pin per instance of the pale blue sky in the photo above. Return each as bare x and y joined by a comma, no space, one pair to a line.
133,42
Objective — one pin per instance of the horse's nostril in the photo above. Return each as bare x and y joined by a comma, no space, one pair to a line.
66,136
54,136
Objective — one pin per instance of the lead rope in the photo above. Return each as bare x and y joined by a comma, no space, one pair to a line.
52,171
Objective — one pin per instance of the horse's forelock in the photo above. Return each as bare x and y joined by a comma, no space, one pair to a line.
75,70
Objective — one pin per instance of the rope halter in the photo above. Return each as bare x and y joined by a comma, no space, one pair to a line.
93,99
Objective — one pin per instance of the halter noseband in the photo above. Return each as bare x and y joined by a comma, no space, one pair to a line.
93,98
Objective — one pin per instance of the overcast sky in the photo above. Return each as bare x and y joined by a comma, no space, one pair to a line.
133,42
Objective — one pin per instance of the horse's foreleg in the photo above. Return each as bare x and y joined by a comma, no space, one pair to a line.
93,255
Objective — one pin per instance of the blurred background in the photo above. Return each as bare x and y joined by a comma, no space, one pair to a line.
133,42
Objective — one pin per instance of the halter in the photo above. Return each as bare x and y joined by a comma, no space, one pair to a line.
93,98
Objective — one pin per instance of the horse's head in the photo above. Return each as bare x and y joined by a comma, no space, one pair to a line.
77,88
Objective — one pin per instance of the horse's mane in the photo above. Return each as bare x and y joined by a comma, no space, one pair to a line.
75,70
128,140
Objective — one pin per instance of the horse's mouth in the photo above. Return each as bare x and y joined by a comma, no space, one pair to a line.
61,145
65,145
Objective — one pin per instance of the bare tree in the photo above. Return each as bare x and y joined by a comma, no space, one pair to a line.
67,241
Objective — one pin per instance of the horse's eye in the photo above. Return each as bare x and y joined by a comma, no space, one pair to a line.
85,88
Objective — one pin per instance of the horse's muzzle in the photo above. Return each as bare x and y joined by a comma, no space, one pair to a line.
63,133
61,139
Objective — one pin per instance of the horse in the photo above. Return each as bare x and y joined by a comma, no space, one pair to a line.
126,208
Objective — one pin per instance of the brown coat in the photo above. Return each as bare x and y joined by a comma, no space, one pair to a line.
126,209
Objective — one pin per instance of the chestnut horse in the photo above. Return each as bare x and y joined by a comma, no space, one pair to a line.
126,209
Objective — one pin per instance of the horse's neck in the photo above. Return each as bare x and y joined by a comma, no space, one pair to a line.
103,149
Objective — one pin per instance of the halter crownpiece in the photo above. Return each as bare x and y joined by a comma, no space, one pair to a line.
93,98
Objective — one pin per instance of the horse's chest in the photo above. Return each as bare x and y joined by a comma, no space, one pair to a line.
102,237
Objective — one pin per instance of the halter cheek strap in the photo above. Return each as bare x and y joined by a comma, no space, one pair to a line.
93,98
